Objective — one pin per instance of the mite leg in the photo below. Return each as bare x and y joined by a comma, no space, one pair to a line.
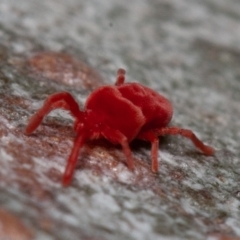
151,137
188,134
58,100
72,160
120,77
117,137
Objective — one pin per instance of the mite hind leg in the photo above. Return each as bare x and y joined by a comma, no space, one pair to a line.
153,139
188,134
116,136
120,77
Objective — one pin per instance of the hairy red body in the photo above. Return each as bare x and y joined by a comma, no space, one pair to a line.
119,113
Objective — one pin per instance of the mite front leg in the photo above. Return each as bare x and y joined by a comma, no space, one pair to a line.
72,160
188,134
58,100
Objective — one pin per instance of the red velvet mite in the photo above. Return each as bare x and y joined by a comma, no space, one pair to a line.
119,113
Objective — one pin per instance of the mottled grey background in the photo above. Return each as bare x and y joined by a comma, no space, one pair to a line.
186,49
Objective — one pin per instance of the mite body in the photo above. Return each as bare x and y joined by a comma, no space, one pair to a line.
119,113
